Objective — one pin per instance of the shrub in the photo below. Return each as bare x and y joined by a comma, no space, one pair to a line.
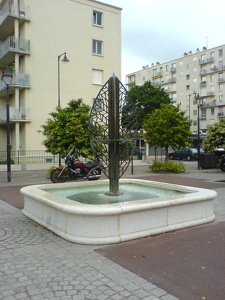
167,167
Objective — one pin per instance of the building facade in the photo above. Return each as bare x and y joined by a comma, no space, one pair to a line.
33,34
200,74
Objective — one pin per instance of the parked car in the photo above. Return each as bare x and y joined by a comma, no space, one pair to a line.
186,153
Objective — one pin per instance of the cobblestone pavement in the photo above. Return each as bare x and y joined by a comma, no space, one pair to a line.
36,264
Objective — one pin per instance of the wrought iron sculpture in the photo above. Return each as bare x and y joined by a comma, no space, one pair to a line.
112,127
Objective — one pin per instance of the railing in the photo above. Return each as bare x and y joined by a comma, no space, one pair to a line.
205,61
29,157
16,45
14,9
15,114
19,79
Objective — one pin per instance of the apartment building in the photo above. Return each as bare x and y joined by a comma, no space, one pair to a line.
201,73
33,38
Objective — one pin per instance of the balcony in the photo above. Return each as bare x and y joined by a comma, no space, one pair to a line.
157,75
9,12
16,114
221,80
206,61
203,117
11,46
19,80
203,83
173,70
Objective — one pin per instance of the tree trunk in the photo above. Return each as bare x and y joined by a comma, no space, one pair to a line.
166,154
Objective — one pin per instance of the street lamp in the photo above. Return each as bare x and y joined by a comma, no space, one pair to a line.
65,59
198,101
7,79
189,96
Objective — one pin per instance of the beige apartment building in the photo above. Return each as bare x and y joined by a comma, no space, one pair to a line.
34,35
201,72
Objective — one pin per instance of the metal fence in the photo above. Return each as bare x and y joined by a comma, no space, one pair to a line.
29,157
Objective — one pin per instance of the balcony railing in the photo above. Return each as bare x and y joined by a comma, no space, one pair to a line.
16,114
14,9
221,79
206,60
16,45
21,80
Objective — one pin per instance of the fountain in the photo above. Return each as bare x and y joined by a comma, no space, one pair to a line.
116,215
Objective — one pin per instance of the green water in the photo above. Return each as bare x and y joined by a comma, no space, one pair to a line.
95,195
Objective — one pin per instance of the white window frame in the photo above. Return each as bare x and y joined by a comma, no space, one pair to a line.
97,18
97,47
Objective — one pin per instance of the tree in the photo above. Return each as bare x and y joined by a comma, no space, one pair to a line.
146,99
167,126
215,137
68,128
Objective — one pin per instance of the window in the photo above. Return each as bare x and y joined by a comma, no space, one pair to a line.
212,110
97,47
194,123
187,77
195,112
188,87
220,64
167,68
195,80
220,75
97,18
195,59
221,98
181,63
211,54
97,76
212,78
187,66
221,52
195,70
221,87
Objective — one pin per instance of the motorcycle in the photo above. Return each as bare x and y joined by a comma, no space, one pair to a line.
222,164
75,169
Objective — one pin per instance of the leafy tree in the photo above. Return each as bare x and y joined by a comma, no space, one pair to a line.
167,126
146,99
215,137
68,128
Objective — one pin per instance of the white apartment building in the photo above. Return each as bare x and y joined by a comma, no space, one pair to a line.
33,34
202,72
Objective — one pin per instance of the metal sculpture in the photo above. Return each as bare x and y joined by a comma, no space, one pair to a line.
112,127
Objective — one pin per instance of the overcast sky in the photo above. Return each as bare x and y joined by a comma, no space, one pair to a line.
162,30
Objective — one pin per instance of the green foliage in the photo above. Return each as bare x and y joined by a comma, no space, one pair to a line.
167,167
215,137
68,128
146,99
167,126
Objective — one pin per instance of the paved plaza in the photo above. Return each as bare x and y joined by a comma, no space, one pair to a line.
37,264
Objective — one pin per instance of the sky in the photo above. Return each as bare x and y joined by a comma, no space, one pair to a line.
162,30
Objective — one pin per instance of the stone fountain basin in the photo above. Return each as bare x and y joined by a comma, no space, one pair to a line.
114,223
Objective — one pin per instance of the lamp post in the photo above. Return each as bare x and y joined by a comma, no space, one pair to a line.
7,79
189,96
198,101
65,59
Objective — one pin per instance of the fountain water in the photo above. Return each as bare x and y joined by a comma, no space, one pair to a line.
112,130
